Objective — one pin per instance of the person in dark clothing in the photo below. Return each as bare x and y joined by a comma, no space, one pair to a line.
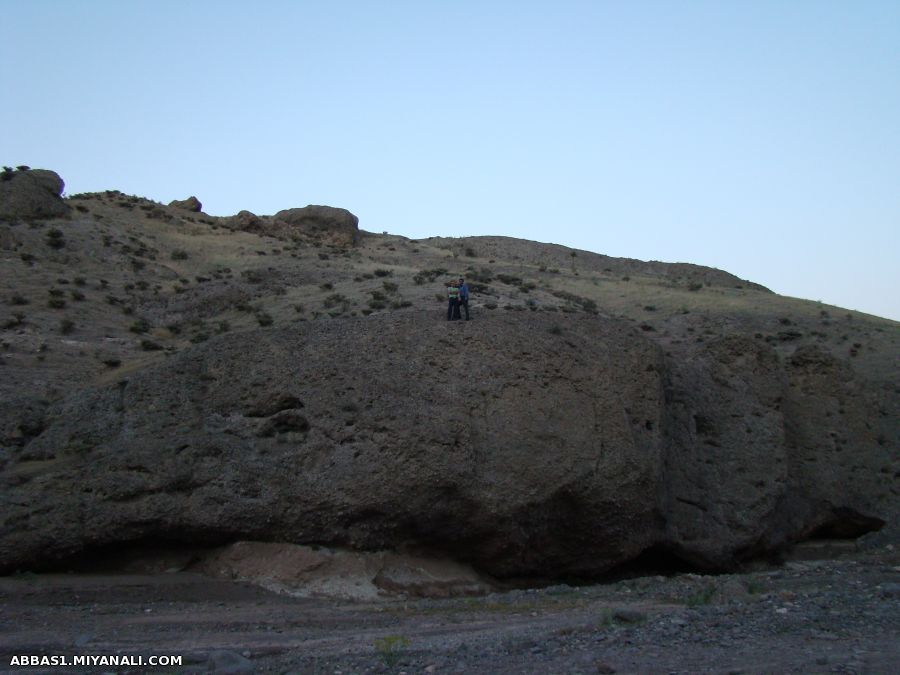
453,301
464,296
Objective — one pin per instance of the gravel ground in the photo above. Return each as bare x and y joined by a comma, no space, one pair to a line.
822,616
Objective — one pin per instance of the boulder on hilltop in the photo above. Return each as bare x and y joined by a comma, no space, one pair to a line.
28,194
190,204
339,226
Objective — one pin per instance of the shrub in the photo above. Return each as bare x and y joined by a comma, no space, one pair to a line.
18,299
18,318
334,300
55,238
390,648
428,276
327,286
78,296
112,362
27,258
140,326
264,318
383,273
696,286
150,346
470,252
509,279
390,286
79,281
56,303
180,254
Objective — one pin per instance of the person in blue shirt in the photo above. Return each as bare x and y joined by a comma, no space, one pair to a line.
464,296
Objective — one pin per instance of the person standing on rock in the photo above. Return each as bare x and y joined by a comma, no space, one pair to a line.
464,296
453,300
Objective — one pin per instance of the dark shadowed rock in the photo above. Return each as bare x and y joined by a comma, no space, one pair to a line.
189,204
337,225
544,456
31,194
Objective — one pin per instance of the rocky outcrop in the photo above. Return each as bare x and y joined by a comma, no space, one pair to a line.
534,452
306,571
28,194
338,226
190,204
246,221
510,444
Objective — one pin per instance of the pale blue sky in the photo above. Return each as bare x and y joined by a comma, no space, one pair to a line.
759,137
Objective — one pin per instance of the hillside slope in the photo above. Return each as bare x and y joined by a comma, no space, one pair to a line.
679,409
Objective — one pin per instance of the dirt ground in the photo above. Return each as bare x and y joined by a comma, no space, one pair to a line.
814,616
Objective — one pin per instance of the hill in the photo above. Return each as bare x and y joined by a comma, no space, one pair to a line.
170,376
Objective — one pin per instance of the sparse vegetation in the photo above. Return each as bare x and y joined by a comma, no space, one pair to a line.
66,326
55,238
390,648
140,326
180,254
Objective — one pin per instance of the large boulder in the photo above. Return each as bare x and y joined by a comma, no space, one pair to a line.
509,444
504,445
190,204
337,226
31,194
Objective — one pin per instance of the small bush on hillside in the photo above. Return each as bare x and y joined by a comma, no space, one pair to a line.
390,286
180,254
18,299
55,238
334,300
18,318
264,319
428,276
56,303
140,326
383,273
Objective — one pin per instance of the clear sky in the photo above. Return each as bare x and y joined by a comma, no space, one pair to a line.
758,137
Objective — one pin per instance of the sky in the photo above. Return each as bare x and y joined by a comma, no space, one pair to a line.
762,138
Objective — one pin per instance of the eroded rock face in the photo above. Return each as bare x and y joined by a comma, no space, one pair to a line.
31,194
506,444
338,225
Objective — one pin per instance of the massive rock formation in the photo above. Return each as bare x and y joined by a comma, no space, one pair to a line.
190,204
28,194
514,445
339,226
